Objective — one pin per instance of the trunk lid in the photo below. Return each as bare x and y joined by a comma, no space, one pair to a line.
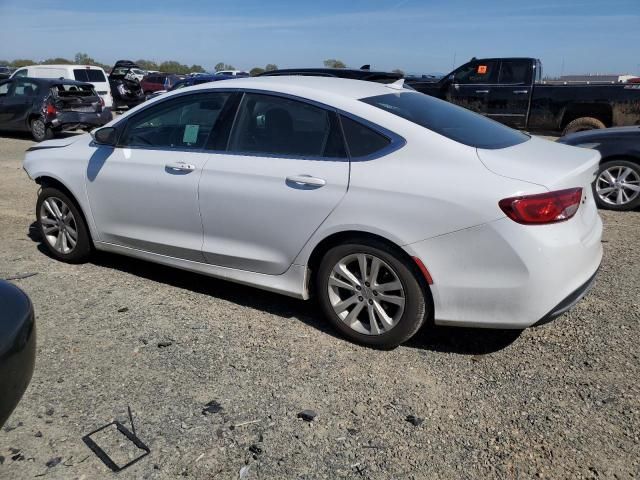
553,166
546,163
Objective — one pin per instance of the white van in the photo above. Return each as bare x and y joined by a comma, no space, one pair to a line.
83,73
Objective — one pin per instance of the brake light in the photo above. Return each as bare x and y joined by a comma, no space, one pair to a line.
101,101
51,110
551,207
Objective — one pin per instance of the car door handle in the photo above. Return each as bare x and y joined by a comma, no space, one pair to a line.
521,92
307,180
180,167
482,91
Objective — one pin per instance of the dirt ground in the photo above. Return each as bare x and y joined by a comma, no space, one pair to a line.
559,401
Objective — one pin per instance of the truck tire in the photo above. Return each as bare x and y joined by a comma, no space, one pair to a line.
581,124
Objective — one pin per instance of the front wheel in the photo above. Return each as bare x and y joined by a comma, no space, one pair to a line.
371,294
40,131
62,226
617,185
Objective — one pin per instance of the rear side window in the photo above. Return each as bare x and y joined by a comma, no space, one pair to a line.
273,125
449,120
515,72
25,88
88,75
184,122
361,140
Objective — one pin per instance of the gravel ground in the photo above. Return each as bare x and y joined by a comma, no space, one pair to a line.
559,401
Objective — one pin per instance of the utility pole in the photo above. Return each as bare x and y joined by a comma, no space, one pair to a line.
454,61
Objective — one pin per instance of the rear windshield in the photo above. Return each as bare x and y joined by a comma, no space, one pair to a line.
65,90
453,122
88,75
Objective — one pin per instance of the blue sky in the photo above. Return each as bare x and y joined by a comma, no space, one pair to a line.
589,36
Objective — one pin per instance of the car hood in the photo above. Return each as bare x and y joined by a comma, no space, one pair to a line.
549,164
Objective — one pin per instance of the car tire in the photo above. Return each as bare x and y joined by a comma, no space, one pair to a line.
583,123
39,130
59,230
368,296
619,175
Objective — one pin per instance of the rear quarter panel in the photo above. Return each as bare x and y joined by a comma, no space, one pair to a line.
430,187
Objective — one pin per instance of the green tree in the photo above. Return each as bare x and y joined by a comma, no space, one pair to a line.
256,71
22,62
397,70
223,66
147,64
171,66
84,59
333,63
196,69
271,67
56,61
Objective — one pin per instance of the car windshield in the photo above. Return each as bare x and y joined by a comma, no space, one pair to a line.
449,120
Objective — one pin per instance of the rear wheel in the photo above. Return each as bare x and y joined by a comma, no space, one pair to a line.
39,130
583,123
371,294
617,185
62,226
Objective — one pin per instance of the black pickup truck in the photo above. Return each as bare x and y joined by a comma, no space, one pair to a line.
511,91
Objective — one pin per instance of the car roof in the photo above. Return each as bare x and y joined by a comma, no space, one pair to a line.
306,86
64,65
53,81
333,72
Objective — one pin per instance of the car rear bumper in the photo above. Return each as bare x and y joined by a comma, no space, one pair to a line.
568,303
73,120
505,275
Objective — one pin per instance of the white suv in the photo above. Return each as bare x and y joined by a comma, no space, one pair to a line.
82,73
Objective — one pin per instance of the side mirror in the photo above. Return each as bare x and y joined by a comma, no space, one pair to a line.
105,136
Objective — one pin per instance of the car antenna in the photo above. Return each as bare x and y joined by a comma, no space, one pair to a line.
397,85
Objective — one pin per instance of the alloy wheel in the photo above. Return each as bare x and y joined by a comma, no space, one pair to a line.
366,294
618,185
58,225
38,128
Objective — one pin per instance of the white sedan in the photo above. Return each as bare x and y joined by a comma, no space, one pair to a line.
392,207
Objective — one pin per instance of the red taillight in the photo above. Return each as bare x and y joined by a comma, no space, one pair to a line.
102,101
51,110
543,208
